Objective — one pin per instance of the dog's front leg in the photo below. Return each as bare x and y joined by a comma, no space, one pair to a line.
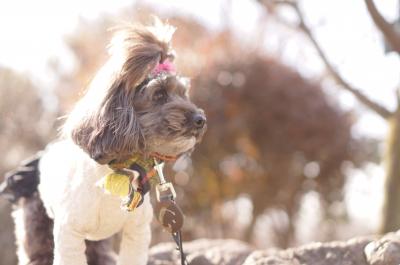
69,246
136,236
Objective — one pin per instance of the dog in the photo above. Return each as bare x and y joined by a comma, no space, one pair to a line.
136,103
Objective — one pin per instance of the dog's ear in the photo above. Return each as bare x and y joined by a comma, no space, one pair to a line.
112,131
140,49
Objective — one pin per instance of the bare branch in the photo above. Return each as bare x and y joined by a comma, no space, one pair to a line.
388,30
374,106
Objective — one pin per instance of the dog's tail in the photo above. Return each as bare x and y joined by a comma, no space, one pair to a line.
23,181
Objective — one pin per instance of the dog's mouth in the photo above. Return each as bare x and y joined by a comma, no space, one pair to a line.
174,140
172,148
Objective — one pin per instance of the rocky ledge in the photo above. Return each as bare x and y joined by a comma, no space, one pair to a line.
358,251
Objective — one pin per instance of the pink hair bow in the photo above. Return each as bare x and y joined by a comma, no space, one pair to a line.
164,67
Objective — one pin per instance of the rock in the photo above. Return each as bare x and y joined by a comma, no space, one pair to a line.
358,251
201,252
385,251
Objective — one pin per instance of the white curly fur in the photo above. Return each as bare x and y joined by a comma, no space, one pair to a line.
81,210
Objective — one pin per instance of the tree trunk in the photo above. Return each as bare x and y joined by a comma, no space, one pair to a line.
391,207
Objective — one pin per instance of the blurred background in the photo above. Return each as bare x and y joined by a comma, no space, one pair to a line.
302,99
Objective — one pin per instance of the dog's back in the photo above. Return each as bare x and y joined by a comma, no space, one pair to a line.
33,227
23,181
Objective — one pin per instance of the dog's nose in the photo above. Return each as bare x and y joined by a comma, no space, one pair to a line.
199,120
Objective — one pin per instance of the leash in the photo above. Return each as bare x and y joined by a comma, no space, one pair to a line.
168,212
178,240
150,171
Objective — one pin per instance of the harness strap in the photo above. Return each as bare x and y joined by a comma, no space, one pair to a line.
136,195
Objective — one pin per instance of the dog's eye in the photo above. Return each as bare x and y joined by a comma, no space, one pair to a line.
160,96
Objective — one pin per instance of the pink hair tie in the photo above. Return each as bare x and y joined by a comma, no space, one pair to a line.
164,67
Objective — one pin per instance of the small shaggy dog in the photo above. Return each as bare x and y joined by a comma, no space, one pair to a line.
135,104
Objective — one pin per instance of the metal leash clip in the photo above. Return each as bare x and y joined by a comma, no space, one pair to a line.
167,211
164,190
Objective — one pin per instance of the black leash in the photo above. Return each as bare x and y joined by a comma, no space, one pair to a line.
178,240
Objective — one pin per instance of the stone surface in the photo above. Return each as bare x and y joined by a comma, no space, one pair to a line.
358,251
202,252
385,251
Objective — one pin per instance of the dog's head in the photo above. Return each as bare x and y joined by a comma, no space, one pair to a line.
137,103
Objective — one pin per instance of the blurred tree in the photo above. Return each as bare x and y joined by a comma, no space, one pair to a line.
391,34
272,135
24,123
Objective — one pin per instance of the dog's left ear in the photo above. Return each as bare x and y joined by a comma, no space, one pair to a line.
140,50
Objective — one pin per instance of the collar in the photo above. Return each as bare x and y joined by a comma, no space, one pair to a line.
145,166
147,162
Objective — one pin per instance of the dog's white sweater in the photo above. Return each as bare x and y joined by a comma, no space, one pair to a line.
81,210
